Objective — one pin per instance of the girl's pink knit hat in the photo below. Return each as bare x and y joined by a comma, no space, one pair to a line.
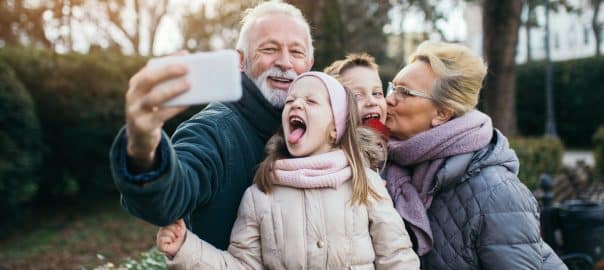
337,98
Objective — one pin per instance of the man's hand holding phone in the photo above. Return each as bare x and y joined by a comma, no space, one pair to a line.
165,87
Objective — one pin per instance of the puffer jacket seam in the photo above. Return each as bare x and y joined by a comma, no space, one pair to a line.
502,182
513,244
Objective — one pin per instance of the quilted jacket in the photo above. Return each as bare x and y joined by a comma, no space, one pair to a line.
307,229
483,217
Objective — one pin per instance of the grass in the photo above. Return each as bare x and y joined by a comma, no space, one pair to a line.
76,238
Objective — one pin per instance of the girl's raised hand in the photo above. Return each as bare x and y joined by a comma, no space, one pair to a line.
170,238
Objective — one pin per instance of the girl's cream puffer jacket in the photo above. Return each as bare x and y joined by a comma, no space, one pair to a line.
307,229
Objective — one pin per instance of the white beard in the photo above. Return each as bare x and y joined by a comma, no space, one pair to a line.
273,95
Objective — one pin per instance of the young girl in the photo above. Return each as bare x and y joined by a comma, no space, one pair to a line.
359,74
314,205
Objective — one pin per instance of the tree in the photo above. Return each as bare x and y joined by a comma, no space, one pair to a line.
431,11
341,27
595,25
530,22
211,27
22,24
501,21
130,20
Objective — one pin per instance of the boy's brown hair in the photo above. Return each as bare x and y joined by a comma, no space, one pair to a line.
338,67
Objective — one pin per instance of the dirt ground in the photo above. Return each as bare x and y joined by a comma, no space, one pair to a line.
80,238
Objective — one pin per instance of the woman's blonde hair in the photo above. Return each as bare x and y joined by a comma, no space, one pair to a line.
338,67
353,143
460,74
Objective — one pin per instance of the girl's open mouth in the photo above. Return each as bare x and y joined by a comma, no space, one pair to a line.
370,116
297,128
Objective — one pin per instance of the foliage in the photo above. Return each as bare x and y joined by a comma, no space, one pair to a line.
578,97
20,146
20,22
79,99
598,142
80,105
202,27
140,34
537,156
342,27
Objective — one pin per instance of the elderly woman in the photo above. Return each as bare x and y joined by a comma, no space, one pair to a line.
451,175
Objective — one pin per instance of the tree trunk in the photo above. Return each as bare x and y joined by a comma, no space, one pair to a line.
529,56
327,29
595,25
156,14
136,36
501,21
528,26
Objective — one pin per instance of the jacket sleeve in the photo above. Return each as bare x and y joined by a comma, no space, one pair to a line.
509,232
391,242
244,250
194,168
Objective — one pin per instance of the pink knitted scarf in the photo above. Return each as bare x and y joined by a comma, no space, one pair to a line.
318,171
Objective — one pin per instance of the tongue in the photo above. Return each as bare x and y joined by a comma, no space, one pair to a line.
295,135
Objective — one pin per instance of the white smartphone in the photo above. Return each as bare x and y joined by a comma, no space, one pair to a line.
213,76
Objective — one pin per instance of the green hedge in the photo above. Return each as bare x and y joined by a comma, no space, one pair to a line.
578,97
80,104
537,156
598,142
20,146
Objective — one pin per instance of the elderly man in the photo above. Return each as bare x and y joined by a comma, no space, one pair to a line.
201,174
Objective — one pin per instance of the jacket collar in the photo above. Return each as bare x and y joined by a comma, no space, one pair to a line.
254,107
460,168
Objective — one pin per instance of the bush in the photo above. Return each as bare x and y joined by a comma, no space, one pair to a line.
537,156
20,146
578,96
598,142
80,105
80,102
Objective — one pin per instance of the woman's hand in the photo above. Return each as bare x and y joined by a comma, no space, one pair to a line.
170,238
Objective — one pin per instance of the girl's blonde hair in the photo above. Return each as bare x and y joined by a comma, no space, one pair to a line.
460,74
353,143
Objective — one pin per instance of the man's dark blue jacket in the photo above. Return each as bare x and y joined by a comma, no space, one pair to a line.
204,170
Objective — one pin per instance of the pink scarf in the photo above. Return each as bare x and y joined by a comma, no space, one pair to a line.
324,170
414,162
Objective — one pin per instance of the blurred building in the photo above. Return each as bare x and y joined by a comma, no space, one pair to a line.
571,35
400,46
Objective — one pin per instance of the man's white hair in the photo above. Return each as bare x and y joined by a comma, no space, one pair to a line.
270,8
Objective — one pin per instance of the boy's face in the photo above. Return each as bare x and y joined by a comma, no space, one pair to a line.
366,85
